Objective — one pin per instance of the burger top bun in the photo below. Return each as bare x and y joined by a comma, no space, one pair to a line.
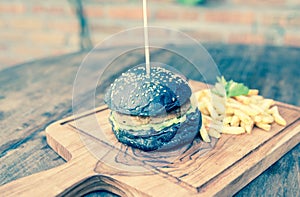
133,93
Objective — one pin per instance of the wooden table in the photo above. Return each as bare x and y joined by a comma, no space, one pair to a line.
37,93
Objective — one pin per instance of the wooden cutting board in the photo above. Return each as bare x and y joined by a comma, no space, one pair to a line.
97,161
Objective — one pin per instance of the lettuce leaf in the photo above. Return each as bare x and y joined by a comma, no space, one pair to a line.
232,88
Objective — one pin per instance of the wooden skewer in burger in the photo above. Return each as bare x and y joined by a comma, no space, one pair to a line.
151,107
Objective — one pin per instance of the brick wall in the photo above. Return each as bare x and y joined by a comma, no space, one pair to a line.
33,29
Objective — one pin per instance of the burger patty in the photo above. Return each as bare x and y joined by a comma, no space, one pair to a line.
171,137
142,120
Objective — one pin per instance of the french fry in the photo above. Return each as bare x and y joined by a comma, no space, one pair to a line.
236,115
249,111
233,130
205,121
243,116
197,95
249,127
204,134
214,133
202,108
257,118
229,111
256,98
243,99
233,105
263,126
227,120
212,111
216,125
219,107
226,125
245,108
201,94
220,89
220,117
216,122
218,99
232,100
235,121
256,108
243,125
267,103
253,92
206,118
268,119
277,117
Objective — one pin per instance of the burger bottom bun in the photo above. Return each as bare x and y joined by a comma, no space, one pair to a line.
169,138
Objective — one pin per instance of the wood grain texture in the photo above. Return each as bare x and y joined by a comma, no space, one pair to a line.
35,94
231,164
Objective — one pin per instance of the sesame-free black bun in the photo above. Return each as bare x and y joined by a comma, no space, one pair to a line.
134,93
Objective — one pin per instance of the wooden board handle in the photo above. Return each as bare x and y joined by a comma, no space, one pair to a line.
76,177
69,179
47,183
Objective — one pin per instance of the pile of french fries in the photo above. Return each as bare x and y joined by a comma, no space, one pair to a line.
235,115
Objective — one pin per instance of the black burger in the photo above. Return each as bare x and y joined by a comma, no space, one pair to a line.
152,112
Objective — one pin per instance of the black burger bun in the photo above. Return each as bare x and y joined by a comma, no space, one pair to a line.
169,138
133,93
153,112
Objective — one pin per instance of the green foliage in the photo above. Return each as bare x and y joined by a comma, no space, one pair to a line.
232,88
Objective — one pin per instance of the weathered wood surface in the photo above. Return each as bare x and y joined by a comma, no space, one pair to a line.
37,93
126,171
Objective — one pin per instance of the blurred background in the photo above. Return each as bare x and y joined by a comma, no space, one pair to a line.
34,29
32,97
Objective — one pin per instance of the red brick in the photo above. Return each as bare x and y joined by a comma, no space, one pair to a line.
110,28
70,26
96,11
11,8
290,19
11,36
29,51
260,2
167,1
167,15
206,36
2,23
293,2
47,39
294,20
292,40
229,17
26,23
106,1
189,15
246,38
49,10
271,20
176,14
3,47
72,41
126,13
